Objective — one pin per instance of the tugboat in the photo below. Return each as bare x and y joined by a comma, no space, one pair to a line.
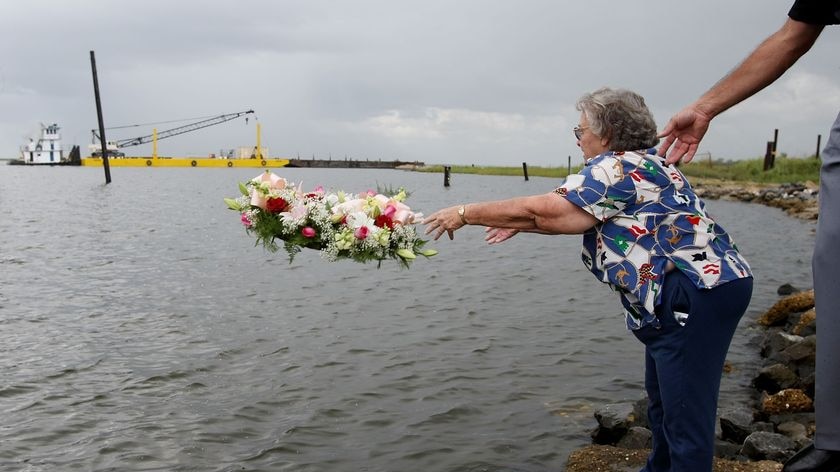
46,150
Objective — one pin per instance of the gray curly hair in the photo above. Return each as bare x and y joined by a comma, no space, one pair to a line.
621,116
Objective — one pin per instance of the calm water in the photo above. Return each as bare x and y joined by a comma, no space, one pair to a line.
142,330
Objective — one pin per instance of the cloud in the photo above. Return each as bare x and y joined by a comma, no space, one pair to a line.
439,123
800,90
474,81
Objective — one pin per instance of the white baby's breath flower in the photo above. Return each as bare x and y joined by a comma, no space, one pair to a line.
330,252
404,236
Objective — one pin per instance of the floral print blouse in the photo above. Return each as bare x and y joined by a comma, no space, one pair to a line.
650,217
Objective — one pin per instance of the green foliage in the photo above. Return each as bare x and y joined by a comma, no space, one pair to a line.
785,170
389,191
233,204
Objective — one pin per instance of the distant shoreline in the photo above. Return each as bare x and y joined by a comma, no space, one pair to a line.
784,170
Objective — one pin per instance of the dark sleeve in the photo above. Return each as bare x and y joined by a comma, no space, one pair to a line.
816,12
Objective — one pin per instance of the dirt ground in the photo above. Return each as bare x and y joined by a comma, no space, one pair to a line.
613,459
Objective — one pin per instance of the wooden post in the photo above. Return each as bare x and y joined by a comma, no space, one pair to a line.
446,171
819,138
775,144
102,139
570,166
768,156
525,170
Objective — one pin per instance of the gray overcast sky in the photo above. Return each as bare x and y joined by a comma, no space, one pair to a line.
486,82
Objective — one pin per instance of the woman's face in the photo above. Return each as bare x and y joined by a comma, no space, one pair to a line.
590,143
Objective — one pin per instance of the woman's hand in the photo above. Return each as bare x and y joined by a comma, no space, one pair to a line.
443,221
497,235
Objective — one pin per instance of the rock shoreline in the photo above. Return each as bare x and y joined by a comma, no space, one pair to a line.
760,436
797,200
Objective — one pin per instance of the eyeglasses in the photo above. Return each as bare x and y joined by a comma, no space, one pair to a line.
578,130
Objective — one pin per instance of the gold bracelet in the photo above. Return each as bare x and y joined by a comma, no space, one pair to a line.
461,210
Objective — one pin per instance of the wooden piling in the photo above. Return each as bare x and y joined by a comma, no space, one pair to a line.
769,160
446,171
819,138
102,139
525,170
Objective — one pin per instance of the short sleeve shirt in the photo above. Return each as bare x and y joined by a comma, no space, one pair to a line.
816,12
650,220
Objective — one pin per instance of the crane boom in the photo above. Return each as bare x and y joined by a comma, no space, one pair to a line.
175,131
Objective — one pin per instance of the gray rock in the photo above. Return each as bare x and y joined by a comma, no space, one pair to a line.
636,438
727,450
768,446
775,377
804,350
808,382
787,289
765,426
804,418
640,411
776,343
614,421
809,329
736,425
793,430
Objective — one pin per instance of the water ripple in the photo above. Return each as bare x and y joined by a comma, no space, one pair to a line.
156,337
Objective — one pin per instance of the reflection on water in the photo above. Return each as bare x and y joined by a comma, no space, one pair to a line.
144,331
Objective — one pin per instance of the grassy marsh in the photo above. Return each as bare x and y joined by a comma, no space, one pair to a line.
785,170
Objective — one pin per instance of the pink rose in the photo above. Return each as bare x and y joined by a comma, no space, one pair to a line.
350,206
308,232
246,221
257,199
361,232
404,217
389,211
273,180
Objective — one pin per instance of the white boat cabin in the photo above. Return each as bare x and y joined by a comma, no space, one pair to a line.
46,149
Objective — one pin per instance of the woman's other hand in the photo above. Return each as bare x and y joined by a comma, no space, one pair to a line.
498,235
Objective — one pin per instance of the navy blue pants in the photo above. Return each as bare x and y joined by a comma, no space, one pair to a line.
683,367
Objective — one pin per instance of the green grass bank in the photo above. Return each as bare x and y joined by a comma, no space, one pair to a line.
785,170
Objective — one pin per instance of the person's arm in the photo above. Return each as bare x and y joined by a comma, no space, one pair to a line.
762,67
548,214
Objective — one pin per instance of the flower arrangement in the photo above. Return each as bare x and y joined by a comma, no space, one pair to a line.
366,227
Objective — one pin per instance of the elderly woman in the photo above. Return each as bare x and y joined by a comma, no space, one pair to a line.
683,284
